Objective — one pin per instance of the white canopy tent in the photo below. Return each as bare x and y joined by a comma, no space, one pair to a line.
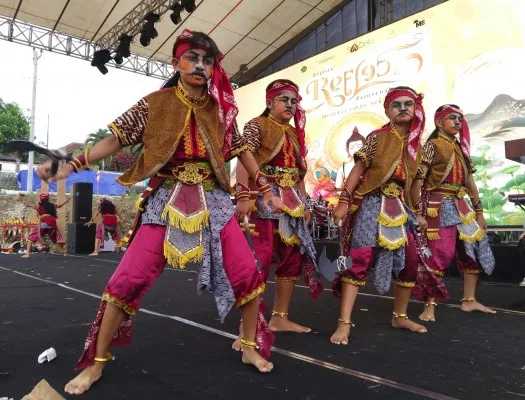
246,31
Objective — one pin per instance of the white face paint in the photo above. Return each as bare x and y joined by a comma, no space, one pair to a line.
284,105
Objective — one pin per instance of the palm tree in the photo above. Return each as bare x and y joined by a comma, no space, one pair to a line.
95,137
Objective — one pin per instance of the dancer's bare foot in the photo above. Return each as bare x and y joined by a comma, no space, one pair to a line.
25,256
95,253
237,342
470,306
85,379
428,313
405,323
283,324
252,357
342,333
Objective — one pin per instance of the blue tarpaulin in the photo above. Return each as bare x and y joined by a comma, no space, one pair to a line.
107,184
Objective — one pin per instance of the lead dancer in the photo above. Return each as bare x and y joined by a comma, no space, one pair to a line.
380,223
455,228
188,131
280,150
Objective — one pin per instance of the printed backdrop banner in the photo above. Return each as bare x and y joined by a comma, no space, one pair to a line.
466,52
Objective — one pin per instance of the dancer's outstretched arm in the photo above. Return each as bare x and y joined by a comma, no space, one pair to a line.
106,147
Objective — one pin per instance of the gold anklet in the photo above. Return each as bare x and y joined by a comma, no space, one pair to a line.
430,303
396,315
280,314
345,321
102,360
468,299
251,345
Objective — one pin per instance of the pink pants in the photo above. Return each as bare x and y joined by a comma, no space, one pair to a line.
267,242
444,250
363,260
143,263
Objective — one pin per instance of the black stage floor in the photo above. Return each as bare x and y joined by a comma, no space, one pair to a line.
182,351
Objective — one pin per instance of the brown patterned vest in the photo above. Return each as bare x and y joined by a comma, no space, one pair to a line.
169,114
272,140
444,158
390,149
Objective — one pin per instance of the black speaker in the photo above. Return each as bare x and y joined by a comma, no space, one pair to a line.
82,194
80,238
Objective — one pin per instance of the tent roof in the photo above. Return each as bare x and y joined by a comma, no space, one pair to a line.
246,31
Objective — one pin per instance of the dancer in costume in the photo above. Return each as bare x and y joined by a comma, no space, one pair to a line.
280,151
455,228
353,144
379,230
47,224
188,132
107,226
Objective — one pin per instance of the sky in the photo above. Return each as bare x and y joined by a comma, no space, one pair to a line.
76,96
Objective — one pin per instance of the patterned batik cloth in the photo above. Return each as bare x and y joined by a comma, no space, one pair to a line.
478,252
295,230
132,279
211,274
365,234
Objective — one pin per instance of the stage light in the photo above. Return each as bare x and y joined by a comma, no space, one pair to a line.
100,58
123,49
189,5
177,8
148,31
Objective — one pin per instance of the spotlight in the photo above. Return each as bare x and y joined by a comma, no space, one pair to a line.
100,58
123,49
189,5
148,31
177,8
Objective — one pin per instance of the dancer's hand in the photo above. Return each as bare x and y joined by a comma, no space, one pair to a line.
307,216
480,219
88,223
340,213
276,203
44,170
423,224
243,208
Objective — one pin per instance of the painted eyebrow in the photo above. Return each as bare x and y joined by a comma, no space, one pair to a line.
193,53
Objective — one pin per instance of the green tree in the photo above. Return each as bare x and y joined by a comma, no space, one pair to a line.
13,123
95,137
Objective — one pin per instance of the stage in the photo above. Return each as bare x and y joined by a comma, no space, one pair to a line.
181,350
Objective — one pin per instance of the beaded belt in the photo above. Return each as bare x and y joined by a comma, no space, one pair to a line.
449,190
191,173
283,177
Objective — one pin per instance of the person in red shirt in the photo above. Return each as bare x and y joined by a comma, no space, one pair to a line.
47,224
456,229
280,150
188,133
379,231
107,226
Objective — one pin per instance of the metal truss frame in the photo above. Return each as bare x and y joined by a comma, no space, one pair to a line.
132,22
46,39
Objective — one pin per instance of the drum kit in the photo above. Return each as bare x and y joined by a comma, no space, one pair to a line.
322,225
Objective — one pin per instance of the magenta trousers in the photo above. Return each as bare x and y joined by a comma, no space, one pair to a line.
445,249
363,260
267,242
143,263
